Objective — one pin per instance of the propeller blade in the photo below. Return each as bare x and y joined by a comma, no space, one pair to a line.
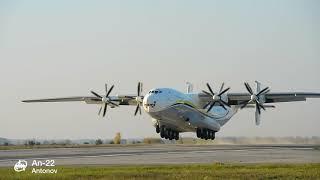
100,110
261,106
104,110
139,89
248,88
224,103
245,103
137,108
207,93
221,88
257,118
223,91
211,106
96,94
262,91
110,90
113,103
266,92
258,108
269,106
212,93
223,107
205,106
106,88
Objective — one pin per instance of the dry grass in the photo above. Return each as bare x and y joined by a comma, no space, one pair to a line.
207,171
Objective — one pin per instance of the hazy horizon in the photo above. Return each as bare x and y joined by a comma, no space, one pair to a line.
67,48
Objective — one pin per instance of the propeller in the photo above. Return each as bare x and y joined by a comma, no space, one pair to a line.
257,100
216,97
138,99
105,100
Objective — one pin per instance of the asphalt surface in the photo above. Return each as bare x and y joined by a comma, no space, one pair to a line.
166,154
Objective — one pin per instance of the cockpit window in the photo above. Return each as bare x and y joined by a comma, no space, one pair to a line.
155,92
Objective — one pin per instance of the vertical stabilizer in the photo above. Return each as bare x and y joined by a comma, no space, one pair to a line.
258,86
189,87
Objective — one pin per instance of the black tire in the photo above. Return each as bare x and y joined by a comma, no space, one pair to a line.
198,133
201,133
206,134
213,135
176,136
157,129
162,132
210,134
167,133
170,133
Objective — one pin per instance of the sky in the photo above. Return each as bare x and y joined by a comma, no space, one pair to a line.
67,48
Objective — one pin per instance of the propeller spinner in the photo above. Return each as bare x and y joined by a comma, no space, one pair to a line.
216,98
139,98
105,100
257,100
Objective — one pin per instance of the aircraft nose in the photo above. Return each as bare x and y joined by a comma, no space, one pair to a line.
149,102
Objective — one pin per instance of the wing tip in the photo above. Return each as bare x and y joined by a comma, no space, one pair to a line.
26,101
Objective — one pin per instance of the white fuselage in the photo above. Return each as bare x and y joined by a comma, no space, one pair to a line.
184,112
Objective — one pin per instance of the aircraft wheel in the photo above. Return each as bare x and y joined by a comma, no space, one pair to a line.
213,135
162,132
171,133
210,134
201,133
198,133
206,134
168,134
177,135
157,129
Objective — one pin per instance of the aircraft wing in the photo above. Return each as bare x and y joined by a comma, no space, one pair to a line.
238,98
99,99
119,100
104,100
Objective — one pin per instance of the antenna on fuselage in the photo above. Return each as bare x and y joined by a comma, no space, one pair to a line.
189,87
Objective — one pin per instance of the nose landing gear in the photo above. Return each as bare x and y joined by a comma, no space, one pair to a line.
157,129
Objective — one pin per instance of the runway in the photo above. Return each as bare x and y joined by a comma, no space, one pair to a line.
166,154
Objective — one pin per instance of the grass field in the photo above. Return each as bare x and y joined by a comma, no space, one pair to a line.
204,171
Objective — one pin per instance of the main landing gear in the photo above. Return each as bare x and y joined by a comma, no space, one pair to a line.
167,133
206,134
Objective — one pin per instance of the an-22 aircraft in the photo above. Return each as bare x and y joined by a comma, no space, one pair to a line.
174,112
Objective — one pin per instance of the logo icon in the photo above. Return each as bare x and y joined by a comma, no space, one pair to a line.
20,166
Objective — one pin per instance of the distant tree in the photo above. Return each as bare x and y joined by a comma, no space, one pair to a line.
117,138
151,140
67,142
6,144
31,142
38,143
147,141
98,142
86,143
